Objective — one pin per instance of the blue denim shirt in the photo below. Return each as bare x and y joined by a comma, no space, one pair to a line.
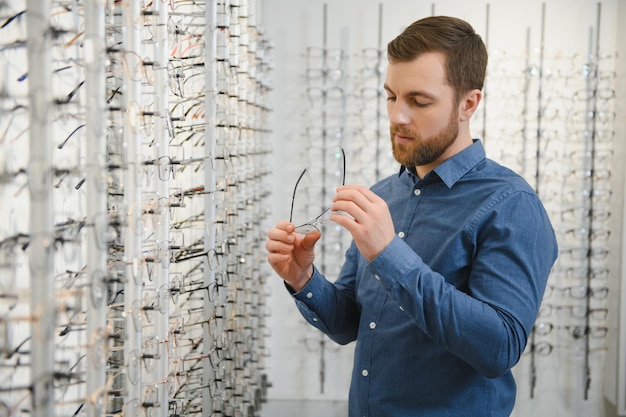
445,310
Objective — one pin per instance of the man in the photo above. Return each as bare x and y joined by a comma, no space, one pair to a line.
450,257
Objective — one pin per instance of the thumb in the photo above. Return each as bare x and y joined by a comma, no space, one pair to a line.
309,240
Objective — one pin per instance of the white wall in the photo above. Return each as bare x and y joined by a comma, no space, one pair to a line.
353,25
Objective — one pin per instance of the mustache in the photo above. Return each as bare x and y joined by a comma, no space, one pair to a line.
402,131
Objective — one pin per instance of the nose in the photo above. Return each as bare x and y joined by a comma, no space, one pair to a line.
397,113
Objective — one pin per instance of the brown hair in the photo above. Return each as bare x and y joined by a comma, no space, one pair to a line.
465,52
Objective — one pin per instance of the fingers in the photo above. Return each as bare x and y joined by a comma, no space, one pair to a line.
286,226
275,259
309,240
365,192
276,246
281,238
283,231
357,201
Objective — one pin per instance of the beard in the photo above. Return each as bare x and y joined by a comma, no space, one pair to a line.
423,151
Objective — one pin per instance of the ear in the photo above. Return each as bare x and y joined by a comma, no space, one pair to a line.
469,104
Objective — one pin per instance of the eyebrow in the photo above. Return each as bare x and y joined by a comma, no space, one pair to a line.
417,93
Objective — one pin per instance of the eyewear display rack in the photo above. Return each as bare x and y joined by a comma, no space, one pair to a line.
562,142
134,148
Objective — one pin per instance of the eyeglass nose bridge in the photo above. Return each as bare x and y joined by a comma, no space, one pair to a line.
312,225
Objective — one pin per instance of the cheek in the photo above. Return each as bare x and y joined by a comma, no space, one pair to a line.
430,123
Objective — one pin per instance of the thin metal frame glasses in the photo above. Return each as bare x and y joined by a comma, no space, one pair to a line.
313,224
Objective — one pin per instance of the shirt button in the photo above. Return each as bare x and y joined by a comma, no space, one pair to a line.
377,277
401,235
417,191
315,319
372,325
364,372
309,295
401,308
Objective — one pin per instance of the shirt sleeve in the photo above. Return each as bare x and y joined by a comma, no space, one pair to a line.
332,308
488,323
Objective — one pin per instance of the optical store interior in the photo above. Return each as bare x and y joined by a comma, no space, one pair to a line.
146,147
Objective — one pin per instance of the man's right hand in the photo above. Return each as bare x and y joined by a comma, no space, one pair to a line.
291,254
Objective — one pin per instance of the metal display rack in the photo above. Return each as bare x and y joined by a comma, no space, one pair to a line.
136,136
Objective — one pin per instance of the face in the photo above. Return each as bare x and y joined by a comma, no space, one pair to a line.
422,110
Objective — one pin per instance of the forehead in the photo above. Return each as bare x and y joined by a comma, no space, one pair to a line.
427,71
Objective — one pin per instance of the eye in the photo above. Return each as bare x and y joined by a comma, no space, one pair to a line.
421,104
391,98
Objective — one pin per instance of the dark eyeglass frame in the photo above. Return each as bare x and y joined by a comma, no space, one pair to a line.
311,225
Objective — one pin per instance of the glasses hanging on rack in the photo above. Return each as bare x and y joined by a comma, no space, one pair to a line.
150,253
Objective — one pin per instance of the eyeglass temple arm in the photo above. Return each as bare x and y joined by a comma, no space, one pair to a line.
343,156
293,197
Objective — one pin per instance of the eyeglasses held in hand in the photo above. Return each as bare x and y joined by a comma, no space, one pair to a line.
313,224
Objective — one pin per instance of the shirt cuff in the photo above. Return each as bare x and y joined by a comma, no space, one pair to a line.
311,298
314,286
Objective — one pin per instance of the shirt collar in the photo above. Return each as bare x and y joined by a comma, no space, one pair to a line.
454,168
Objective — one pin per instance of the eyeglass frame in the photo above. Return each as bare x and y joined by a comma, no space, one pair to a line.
315,220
